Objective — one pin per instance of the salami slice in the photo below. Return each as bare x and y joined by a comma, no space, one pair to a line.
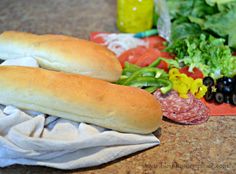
185,111
199,113
171,102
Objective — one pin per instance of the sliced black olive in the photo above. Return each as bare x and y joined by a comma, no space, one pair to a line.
219,97
234,77
219,86
209,95
234,84
233,99
230,80
227,89
208,81
223,80
227,98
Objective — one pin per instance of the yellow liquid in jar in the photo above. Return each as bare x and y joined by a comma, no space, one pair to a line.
134,15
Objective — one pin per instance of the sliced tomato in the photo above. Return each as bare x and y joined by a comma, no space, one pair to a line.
131,55
142,56
95,38
153,41
148,57
156,42
195,74
167,55
151,55
163,64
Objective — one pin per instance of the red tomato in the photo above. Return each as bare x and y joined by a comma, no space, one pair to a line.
142,56
156,42
153,41
195,74
148,57
94,37
167,55
131,55
163,65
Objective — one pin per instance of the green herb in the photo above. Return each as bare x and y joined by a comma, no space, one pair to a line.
207,53
190,18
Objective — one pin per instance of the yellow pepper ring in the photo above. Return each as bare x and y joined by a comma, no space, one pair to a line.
201,92
183,88
173,71
195,86
183,84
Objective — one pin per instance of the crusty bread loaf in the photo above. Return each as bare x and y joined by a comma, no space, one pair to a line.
80,98
62,53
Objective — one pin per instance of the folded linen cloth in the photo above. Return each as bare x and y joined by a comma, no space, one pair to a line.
33,138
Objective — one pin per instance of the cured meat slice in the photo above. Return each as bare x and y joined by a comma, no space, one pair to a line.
185,111
199,113
171,102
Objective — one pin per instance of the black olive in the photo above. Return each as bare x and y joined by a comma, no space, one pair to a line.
230,80
209,95
219,86
233,99
223,80
219,97
227,89
227,98
208,81
234,77
234,84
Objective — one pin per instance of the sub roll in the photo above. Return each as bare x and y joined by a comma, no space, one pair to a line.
62,53
80,98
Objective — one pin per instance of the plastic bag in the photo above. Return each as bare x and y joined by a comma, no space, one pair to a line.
163,23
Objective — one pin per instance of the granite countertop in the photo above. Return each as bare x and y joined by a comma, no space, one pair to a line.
205,148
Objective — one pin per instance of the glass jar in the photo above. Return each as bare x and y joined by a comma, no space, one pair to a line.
134,15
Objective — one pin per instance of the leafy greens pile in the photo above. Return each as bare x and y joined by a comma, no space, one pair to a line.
207,53
193,17
203,35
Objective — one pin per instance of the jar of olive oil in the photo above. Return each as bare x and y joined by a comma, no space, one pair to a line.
134,15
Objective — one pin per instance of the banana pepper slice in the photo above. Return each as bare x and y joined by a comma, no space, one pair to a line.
184,84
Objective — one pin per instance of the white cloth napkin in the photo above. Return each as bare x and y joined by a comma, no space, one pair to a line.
33,138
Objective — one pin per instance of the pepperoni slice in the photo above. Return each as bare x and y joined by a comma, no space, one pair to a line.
197,114
185,111
171,102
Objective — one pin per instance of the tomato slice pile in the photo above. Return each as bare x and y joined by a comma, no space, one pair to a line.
143,56
156,42
195,74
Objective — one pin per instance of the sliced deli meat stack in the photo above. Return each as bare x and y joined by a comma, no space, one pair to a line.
177,103
197,114
182,110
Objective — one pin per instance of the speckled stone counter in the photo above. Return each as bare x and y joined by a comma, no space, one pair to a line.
206,148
